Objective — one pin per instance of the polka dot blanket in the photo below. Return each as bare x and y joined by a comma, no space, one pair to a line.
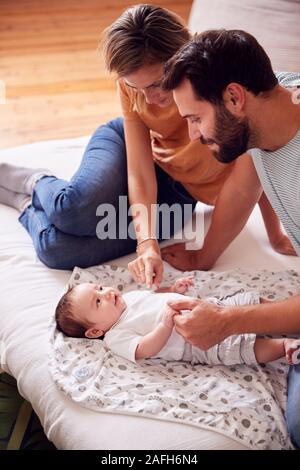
242,402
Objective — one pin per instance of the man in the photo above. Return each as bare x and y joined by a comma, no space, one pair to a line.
224,85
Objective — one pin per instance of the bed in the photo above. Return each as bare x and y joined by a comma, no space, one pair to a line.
28,293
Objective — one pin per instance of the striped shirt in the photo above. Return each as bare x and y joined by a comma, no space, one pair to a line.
279,174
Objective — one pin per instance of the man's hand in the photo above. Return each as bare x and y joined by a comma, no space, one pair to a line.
182,259
278,240
205,325
283,245
182,285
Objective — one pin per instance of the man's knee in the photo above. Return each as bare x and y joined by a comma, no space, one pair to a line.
293,424
293,405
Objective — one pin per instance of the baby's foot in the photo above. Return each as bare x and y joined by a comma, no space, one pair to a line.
292,351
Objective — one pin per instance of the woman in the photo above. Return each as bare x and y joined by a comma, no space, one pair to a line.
163,166
137,45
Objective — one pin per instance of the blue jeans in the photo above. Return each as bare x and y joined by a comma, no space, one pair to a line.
62,218
293,405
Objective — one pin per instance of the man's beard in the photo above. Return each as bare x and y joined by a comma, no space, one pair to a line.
233,136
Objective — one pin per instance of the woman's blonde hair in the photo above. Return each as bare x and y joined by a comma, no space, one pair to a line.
142,35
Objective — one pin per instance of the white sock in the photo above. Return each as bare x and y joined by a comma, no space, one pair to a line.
17,200
19,179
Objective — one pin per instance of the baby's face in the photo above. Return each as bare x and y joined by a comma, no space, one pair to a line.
98,305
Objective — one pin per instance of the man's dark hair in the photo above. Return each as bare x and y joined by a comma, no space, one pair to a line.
215,58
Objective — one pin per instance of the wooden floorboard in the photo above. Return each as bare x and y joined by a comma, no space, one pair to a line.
56,83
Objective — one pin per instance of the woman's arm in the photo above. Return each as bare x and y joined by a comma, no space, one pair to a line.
142,190
142,186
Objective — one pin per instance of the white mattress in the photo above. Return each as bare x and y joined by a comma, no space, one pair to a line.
28,292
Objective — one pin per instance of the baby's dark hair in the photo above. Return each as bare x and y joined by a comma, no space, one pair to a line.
65,321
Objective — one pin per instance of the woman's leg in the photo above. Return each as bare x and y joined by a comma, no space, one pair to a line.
59,250
101,178
62,220
293,405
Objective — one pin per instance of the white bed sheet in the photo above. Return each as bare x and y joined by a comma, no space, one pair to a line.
28,294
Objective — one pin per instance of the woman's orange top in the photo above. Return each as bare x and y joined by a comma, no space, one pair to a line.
190,163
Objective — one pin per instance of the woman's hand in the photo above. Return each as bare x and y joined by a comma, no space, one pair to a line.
147,268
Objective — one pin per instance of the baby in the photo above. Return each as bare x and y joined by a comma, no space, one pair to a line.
140,324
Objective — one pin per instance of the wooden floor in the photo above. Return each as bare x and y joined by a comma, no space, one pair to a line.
56,84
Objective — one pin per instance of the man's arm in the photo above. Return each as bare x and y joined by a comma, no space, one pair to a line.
208,324
234,205
236,200
266,318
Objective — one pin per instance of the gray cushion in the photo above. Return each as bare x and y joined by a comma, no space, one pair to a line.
275,24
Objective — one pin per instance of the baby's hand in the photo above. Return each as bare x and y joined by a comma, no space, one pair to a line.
183,284
168,316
